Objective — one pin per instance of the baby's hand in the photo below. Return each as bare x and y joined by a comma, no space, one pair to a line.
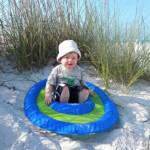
48,98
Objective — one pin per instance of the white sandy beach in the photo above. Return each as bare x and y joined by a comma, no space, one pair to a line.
17,133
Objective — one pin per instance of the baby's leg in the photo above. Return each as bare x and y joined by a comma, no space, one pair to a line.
64,97
83,95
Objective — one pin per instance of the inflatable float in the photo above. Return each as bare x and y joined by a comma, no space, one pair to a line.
97,114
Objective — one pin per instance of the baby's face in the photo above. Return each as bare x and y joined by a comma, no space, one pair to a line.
70,60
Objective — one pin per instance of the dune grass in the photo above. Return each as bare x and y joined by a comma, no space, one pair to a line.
33,29
116,53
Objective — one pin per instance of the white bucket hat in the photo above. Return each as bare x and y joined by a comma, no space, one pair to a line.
66,47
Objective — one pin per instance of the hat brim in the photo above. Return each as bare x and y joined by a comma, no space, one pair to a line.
67,51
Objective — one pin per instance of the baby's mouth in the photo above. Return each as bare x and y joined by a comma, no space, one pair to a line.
70,64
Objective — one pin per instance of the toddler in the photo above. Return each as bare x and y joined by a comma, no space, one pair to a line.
66,81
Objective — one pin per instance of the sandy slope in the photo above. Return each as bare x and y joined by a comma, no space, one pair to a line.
17,133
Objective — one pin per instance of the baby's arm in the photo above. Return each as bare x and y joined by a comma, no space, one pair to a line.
51,82
48,93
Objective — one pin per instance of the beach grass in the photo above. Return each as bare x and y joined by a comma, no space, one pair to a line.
33,29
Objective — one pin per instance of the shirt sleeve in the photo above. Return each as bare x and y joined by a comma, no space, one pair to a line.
52,78
84,77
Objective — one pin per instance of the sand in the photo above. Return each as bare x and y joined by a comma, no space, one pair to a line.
17,133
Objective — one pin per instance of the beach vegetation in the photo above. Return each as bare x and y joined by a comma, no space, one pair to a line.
31,31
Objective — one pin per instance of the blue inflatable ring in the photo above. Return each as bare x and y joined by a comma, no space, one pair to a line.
101,124
74,108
